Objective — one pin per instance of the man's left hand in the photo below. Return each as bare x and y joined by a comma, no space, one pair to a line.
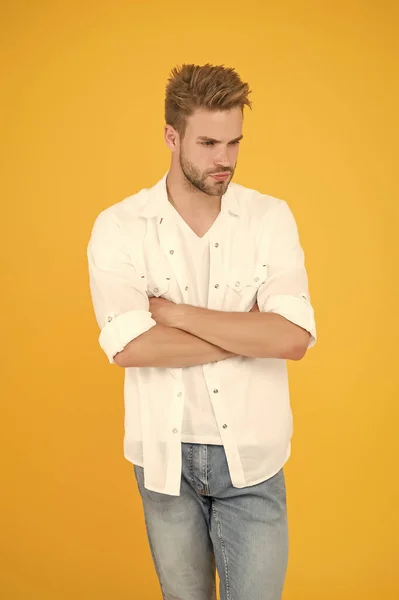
165,312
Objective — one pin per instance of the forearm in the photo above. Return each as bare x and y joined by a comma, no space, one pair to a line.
164,346
253,334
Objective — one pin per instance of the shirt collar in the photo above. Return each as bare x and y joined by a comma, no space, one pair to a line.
157,200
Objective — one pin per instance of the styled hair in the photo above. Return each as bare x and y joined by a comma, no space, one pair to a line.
209,87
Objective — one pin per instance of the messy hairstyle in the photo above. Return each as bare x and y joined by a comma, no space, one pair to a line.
209,87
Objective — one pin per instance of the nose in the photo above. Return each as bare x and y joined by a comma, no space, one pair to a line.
221,159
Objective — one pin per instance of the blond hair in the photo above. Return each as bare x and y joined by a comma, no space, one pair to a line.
210,87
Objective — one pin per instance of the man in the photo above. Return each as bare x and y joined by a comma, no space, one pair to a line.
201,294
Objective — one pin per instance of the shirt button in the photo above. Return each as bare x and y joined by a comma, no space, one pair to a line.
216,245
215,391
256,279
225,426
156,290
171,251
216,285
179,395
186,288
175,430
237,283
109,319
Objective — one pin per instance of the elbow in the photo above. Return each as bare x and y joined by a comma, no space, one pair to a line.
297,353
122,359
137,353
299,346
119,359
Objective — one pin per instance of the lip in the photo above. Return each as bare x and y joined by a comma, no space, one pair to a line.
221,176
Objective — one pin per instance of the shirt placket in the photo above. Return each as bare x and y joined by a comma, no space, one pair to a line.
219,261
171,247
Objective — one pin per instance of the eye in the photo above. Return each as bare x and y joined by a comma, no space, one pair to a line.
208,143
236,143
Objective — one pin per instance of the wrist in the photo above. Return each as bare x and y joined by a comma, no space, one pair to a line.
181,314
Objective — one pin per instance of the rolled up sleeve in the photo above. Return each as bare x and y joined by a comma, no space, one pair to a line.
118,291
285,290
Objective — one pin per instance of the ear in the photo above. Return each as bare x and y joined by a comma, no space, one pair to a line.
171,137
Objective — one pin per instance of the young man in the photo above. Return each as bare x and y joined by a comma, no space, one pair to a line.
201,294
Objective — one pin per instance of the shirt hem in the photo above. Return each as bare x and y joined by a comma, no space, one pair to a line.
192,439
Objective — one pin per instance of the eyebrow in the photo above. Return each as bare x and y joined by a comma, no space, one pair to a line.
204,138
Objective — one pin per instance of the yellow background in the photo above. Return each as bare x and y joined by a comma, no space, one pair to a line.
82,128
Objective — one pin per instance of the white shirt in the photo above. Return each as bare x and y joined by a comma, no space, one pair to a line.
137,250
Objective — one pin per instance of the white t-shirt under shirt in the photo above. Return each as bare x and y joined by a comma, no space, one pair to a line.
199,422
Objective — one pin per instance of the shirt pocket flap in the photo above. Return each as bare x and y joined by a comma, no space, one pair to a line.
158,286
241,278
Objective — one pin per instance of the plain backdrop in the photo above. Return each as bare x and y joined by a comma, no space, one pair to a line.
81,129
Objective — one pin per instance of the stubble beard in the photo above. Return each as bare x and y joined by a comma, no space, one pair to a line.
198,181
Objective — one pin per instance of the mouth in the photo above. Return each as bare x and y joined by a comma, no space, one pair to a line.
221,176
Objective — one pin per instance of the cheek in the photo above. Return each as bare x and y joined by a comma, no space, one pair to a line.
196,155
234,153
203,158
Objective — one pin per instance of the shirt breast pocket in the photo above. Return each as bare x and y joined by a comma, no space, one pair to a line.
242,286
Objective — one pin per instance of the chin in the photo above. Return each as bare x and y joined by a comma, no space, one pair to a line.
220,191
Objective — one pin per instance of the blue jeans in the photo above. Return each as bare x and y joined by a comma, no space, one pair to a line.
241,532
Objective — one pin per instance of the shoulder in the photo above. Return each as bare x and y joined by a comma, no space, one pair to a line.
257,205
124,211
119,223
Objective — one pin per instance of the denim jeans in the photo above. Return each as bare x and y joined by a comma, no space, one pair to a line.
240,531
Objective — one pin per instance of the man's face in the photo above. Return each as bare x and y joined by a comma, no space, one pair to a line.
209,147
